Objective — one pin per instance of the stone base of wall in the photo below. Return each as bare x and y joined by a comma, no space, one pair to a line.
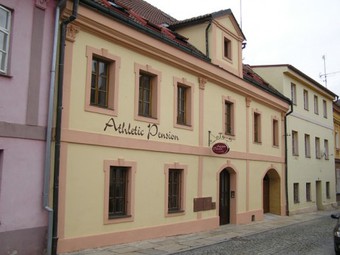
24,241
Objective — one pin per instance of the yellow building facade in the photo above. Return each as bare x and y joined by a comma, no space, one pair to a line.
310,139
158,139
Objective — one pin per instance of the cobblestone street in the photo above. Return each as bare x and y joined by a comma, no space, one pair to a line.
312,237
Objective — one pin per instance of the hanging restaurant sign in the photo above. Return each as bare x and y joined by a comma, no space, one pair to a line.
220,148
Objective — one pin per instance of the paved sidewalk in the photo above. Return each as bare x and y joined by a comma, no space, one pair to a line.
174,244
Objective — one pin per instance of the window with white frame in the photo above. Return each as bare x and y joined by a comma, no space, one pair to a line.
316,104
305,100
5,30
293,92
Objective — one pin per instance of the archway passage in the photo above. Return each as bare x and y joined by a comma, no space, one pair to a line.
224,209
272,192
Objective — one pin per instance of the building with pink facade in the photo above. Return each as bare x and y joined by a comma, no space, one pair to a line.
26,41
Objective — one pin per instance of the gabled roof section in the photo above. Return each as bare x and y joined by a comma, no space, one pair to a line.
127,12
305,76
205,18
255,79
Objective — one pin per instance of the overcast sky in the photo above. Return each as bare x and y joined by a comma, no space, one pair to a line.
295,32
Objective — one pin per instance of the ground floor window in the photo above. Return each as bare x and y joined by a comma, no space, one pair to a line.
296,193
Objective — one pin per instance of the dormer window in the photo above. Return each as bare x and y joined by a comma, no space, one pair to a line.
227,49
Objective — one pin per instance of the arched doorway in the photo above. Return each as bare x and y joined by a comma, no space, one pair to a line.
224,207
271,192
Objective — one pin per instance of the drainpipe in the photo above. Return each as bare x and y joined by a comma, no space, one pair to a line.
286,157
59,109
207,39
47,160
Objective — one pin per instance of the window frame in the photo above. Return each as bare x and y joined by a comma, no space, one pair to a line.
228,101
308,192
296,193
183,171
275,132
227,49
295,143
324,103
326,149
7,31
317,148
130,203
189,103
293,93
316,104
155,93
305,100
307,146
113,80
257,127
328,193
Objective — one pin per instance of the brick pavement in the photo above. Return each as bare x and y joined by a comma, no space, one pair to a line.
173,244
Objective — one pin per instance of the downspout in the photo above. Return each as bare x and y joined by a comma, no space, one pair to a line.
286,158
47,162
59,109
207,39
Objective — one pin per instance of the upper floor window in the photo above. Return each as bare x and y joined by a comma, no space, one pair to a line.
293,92
337,141
257,127
326,148
305,100
227,49
295,143
147,93
317,148
316,104
324,103
101,81
229,118
307,146
275,132
184,95
5,30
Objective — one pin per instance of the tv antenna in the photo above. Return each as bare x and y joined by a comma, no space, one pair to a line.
325,74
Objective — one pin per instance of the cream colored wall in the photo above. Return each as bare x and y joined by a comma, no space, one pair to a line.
196,35
274,76
86,121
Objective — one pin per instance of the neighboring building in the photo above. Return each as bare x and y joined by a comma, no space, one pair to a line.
143,110
336,118
310,140
26,29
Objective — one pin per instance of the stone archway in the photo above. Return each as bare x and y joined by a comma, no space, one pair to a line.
271,192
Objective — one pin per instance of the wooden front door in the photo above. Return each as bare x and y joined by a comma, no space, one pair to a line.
224,197
266,184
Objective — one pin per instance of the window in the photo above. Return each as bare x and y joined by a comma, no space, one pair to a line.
308,192
307,146
317,148
183,105
174,191
5,27
293,92
175,179
227,49
119,191
229,118
257,127
296,193
328,194
275,132
326,148
102,82
316,104
147,93
337,142
183,101
305,100
324,108
295,143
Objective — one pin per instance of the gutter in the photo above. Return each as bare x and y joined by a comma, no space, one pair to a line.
59,109
286,157
207,39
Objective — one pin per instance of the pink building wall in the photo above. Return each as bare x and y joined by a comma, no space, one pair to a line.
24,93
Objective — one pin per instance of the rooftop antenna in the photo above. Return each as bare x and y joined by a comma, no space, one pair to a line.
325,74
241,14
